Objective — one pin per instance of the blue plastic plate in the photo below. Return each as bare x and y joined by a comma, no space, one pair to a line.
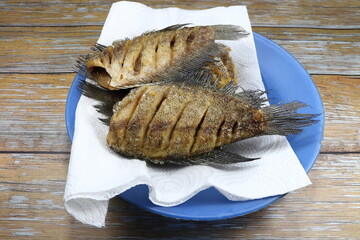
287,80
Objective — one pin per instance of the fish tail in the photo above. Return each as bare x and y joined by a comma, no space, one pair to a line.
229,32
283,118
255,98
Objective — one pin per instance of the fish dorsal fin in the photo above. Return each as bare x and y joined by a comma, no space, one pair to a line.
173,27
229,88
205,78
221,31
119,42
166,29
256,98
169,28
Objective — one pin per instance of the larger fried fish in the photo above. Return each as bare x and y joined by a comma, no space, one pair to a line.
155,55
184,123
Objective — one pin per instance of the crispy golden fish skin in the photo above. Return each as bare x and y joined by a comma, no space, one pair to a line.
133,62
163,122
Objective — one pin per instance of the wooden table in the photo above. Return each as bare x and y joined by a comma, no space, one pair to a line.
40,41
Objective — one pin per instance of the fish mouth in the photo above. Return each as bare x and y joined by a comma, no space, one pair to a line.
101,75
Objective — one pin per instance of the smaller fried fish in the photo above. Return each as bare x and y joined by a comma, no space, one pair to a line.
153,56
186,123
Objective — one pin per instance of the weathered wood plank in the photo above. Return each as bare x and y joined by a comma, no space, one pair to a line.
32,110
341,101
32,187
320,51
299,13
44,50
54,49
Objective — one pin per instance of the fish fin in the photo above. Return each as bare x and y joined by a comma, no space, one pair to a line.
106,109
189,68
169,28
222,32
283,118
119,42
98,47
173,27
229,32
218,156
92,90
229,88
166,29
205,79
254,97
80,67
106,98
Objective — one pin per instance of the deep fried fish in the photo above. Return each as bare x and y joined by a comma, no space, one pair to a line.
186,122
155,55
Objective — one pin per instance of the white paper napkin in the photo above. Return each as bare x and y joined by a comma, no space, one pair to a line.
96,174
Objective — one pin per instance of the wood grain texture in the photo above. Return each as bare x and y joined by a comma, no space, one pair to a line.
32,109
296,13
320,51
40,41
55,49
32,112
32,188
340,95
44,50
